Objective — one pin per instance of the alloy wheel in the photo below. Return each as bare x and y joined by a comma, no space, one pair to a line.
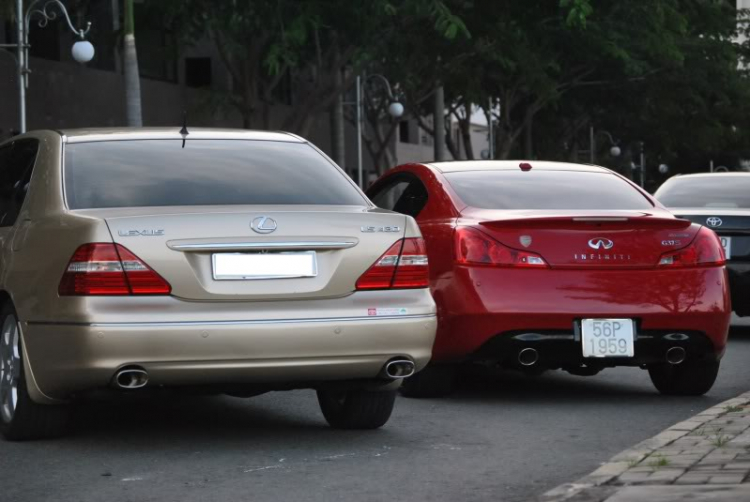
10,367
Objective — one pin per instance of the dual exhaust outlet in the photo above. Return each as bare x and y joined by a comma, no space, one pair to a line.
529,357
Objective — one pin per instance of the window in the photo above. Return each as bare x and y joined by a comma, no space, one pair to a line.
404,195
198,72
16,165
720,191
546,190
403,131
140,173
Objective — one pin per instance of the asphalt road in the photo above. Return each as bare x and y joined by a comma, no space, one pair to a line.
501,437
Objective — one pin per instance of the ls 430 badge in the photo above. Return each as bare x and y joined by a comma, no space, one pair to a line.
380,229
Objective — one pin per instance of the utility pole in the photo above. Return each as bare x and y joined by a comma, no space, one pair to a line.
21,67
337,127
490,133
643,166
132,77
439,124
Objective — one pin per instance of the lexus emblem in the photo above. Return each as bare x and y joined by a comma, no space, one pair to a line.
263,225
714,221
601,243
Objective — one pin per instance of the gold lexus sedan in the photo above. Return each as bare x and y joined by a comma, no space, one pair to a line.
235,261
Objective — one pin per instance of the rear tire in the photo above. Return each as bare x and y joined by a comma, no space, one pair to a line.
21,418
433,381
356,409
686,379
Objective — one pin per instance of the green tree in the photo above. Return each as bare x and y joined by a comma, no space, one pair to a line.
265,44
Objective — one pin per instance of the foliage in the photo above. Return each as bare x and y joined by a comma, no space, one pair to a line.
268,44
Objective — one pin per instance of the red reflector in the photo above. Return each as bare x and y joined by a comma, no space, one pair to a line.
474,247
704,251
525,166
403,266
108,269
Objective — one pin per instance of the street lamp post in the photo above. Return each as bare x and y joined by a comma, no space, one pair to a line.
82,51
395,110
614,150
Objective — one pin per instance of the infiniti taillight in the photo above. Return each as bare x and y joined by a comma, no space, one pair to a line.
704,251
109,269
403,266
474,247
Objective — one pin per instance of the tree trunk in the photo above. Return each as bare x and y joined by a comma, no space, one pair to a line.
439,121
130,68
528,136
464,125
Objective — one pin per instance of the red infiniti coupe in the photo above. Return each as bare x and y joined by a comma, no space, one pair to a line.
545,265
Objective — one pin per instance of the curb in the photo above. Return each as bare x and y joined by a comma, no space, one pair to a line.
618,464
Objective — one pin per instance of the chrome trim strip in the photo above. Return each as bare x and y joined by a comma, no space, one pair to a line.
236,246
231,323
597,219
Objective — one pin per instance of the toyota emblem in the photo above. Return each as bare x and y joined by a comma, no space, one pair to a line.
714,221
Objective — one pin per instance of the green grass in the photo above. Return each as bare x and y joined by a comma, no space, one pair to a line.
720,440
659,461
733,409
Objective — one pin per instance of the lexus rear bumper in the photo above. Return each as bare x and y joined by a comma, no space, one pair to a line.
64,358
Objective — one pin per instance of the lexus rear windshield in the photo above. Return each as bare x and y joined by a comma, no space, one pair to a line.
205,172
722,191
546,190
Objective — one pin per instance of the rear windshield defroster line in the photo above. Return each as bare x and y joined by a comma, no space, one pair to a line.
140,173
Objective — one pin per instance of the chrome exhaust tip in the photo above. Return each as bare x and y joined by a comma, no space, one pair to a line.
676,355
399,368
131,378
528,357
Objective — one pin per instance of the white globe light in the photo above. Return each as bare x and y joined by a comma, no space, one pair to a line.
615,151
663,168
396,109
83,51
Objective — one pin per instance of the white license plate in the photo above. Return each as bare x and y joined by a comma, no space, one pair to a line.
726,243
249,266
608,338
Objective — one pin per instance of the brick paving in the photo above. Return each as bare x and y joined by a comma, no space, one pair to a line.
712,449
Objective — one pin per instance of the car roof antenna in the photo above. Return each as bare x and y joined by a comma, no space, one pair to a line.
184,131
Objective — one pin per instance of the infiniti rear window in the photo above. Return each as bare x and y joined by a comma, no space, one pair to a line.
546,190
206,172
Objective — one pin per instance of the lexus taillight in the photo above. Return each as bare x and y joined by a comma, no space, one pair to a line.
109,269
403,266
704,251
474,247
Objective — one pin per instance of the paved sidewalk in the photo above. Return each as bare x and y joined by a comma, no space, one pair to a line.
705,458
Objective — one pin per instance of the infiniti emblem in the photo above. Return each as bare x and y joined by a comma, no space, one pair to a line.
713,221
263,225
601,243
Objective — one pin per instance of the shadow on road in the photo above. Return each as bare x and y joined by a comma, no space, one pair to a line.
611,386
162,414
